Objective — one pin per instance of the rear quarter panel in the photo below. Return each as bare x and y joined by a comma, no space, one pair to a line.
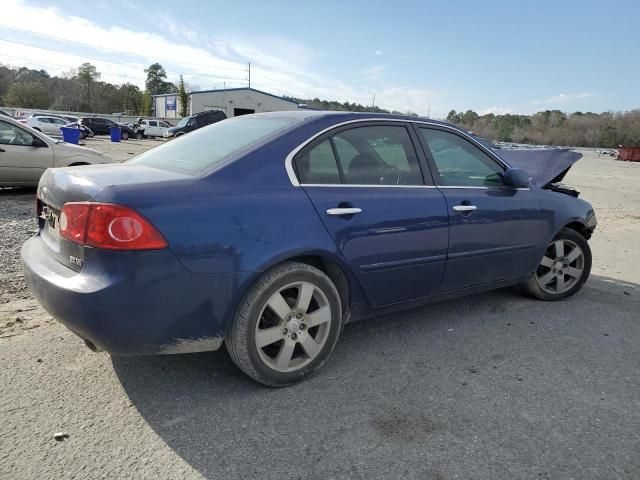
216,227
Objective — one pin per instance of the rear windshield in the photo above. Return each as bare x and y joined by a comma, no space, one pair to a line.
212,145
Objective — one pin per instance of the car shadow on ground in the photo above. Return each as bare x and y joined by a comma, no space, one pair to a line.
4,191
427,393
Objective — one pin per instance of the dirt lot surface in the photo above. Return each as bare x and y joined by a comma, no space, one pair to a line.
495,386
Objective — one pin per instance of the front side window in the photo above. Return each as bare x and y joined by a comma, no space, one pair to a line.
318,165
459,162
12,135
153,123
378,155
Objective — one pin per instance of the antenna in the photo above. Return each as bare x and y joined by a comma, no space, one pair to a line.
373,102
249,70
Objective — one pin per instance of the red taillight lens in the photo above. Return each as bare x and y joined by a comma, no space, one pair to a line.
109,226
73,221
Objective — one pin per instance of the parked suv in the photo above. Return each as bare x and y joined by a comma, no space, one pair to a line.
194,122
101,126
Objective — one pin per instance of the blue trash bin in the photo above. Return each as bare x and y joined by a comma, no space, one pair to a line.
70,135
116,134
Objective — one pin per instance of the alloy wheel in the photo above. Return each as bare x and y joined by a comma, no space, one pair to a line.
561,267
293,327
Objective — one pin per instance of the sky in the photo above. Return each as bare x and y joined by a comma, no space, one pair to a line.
414,55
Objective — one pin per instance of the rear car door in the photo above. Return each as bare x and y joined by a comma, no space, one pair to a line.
152,127
494,230
20,162
56,123
386,217
99,126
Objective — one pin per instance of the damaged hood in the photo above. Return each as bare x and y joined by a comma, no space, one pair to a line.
545,166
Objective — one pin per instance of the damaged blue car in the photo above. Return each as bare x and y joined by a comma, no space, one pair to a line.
269,232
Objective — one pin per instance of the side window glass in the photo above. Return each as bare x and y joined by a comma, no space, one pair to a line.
459,162
318,165
12,135
153,123
378,155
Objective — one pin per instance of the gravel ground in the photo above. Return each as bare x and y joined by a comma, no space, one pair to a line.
488,387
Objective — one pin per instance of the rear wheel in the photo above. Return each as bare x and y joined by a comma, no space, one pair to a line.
287,325
563,269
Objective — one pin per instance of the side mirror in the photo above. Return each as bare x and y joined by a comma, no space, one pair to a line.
37,142
516,178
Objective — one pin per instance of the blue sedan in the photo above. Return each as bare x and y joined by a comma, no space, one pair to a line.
269,232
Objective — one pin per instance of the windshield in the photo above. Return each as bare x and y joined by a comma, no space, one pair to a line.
212,145
183,122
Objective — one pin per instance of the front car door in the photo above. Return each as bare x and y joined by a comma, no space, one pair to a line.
386,217
20,162
494,230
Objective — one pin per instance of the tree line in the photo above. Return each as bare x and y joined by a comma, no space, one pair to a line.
553,127
82,90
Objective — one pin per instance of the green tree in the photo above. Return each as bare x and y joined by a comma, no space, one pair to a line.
183,98
131,97
156,82
145,106
29,94
87,75
453,117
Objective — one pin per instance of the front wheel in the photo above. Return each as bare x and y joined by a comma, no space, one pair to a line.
286,326
125,135
563,269
139,136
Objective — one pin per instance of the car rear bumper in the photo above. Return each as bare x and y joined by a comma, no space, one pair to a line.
132,303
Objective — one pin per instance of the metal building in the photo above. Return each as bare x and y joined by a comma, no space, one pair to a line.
232,101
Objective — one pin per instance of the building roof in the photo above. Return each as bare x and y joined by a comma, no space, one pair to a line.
223,90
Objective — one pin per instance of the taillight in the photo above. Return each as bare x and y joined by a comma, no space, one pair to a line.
73,221
108,226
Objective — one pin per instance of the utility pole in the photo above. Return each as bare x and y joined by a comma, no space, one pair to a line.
249,70
373,102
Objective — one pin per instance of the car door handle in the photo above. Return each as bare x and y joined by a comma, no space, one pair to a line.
464,208
344,211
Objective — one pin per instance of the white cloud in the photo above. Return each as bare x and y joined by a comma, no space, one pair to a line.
563,98
375,72
498,110
285,67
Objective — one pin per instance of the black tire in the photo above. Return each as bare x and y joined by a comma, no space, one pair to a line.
533,286
241,340
139,136
125,136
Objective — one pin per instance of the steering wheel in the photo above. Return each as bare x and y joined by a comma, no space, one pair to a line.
387,174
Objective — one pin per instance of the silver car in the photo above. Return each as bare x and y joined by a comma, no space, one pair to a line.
25,154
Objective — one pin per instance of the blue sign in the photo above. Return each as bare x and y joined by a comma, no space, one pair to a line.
170,103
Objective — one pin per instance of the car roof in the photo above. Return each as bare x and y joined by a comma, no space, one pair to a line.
344,116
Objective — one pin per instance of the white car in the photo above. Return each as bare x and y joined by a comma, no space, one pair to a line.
48,125
26,153
154,128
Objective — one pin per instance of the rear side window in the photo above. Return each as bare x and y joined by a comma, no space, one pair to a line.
378,155
459,162
318,165
207,147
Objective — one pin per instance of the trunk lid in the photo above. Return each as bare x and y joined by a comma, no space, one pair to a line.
82,184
